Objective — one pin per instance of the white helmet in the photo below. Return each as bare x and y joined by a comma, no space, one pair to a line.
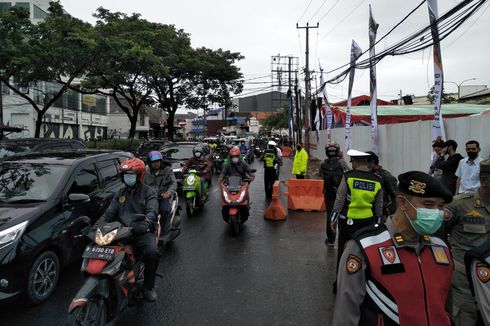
271,142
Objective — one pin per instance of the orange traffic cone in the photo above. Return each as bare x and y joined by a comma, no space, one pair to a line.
276,210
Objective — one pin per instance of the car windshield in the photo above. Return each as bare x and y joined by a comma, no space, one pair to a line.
11,148
29,182
178,153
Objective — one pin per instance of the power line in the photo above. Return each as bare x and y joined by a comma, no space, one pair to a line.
304,12
343,19
328,11
318,10
469,27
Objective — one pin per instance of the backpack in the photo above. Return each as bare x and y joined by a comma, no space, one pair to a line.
332,173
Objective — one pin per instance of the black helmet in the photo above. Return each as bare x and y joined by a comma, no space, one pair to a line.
332,150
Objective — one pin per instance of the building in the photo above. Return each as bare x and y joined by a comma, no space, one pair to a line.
265,102
479,97
119,122
38,9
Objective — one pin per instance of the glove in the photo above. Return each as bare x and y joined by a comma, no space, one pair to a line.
141,227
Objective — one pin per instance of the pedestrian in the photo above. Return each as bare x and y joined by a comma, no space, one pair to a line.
469,169
468,223
449,165
300,162
389,184
397,273
436,150
332,171
270,158
359,201
477,262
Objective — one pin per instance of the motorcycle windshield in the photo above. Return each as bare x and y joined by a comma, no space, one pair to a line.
234,183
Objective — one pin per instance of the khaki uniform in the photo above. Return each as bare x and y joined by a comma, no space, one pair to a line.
468,222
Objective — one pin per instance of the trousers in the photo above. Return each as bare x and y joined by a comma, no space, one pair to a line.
270,176
146,244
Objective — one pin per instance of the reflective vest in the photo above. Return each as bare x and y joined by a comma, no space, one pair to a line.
269,158
363,186
401,287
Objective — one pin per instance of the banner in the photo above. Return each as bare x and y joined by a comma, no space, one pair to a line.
373,28
326,109
437,125
355,53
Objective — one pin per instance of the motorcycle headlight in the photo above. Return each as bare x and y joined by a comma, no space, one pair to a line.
191,180
12,234
104,240
226,197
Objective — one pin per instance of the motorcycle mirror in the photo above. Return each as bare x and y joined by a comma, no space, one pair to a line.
76,199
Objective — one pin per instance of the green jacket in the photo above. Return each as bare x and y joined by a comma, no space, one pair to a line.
300,163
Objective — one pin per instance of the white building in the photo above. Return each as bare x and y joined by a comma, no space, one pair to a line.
38,9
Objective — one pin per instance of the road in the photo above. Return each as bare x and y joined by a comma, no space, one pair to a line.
273,273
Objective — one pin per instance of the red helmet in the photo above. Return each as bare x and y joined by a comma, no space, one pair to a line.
235,151
135,166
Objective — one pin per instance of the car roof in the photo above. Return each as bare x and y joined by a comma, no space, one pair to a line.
35,141
61,157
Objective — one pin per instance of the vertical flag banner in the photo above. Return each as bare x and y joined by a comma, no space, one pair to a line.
437,125
326,110
355,53
373,28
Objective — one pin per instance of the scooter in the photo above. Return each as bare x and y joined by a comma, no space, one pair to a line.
235,201
217,163
113,276
168,226
193,194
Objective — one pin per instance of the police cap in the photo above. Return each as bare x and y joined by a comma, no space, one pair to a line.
357,156
485,166
421,184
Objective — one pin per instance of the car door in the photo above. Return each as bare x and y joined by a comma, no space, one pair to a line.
110,181
84,180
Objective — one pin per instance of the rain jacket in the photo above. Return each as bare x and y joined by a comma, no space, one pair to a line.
162,182
300,164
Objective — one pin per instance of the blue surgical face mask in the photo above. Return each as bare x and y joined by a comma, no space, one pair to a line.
428,220
130,179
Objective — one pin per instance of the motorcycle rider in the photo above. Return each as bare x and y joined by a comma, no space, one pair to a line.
271,158
203,167
137,198
243,147
159,176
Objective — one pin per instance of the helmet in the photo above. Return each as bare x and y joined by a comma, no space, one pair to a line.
271,143
235,151
133,166
332,149
197,149
154,156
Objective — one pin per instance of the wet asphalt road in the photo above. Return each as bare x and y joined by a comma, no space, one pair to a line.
273,273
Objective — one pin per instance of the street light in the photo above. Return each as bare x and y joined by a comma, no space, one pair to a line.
459,85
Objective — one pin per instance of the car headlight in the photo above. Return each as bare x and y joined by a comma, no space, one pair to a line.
226,197
191,180
12,234
104,240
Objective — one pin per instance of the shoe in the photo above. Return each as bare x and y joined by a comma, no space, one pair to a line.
150,295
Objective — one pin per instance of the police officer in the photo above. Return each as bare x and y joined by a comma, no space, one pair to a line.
397,273
359,200
477,262
388,183
468,222
271,158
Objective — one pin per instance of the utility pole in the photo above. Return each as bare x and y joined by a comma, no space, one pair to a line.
1,110
306,123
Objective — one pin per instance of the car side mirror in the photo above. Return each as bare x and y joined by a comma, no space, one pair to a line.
78,199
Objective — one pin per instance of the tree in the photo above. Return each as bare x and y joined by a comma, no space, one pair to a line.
278,120
56,50
446,98
124,63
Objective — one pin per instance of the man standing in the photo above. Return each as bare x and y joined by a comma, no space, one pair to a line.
388,184
449,166
469,169
396,273
332,171
271,159
359,201
300,163
436,148
477,263
468,222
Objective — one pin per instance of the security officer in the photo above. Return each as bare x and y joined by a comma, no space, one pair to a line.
388,183
396,273
359,201
468,222
477,262
271,158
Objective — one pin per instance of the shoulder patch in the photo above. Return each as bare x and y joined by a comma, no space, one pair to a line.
483,272
448,214
353,264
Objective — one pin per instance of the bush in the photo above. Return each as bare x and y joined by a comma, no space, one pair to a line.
129,145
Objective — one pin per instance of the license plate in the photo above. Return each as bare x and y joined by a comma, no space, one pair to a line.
188,188
96,252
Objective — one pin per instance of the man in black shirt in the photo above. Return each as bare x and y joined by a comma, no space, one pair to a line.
449,166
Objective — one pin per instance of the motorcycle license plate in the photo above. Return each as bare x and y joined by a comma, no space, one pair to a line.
96,252
188,188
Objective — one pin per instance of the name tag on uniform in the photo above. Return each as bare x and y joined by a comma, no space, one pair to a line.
440,255
473,222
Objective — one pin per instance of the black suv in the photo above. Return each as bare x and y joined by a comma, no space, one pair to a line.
12,147
45,200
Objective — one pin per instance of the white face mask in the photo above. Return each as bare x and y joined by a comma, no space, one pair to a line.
235,159
198,154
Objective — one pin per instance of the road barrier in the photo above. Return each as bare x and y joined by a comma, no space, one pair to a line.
306,195
276,210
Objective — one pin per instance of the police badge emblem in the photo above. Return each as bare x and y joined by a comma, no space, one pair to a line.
389,255
483,272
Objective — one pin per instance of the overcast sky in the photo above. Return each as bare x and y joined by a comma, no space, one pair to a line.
260,29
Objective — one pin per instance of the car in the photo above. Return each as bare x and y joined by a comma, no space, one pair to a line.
12,147
46,199
151,145
177,155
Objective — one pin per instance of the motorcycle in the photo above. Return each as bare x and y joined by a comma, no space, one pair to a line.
218,162
193,194
258,151
235,201
170,224
114,276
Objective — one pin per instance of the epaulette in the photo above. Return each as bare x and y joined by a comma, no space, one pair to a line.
464,196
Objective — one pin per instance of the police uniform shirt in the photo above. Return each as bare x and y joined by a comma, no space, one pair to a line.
480,276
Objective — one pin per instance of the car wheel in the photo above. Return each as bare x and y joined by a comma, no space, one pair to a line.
43,277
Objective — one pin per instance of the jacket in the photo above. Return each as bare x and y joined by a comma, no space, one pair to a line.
128,202
300,163
162,182
202,166
240,169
